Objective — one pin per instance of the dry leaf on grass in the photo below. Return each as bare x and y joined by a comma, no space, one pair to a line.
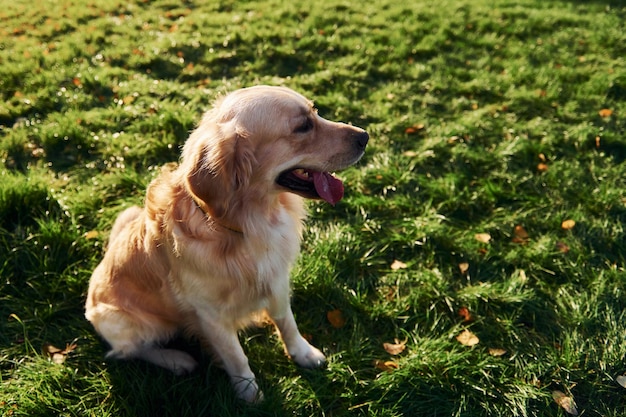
463,267
336,319
467,338
542,167
391,292
621,380
520,235
57,355
395,348
521,232
566,402
465,315
562,247
482,237
605,113
568,224
386,365
91,234
396,264
414,129
496,351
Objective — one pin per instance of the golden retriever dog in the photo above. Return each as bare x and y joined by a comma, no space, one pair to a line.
215,241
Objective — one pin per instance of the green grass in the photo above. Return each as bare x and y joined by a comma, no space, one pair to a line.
96,95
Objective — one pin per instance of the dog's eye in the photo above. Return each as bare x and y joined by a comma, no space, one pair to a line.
304,127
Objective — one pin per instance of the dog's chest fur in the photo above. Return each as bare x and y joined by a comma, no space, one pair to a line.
238,273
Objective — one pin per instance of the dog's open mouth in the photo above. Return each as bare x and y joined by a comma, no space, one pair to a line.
312,184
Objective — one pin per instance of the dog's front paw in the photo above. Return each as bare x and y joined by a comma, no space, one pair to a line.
307,356
247,390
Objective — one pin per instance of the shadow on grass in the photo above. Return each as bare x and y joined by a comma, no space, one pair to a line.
142,389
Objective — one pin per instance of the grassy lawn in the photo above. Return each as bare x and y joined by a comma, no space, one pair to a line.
481,237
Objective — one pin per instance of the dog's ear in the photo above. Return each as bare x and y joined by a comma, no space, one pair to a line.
221,165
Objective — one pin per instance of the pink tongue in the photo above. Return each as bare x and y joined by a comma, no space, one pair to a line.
328,187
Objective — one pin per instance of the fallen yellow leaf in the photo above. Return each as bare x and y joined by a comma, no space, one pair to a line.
621,380
605,112
568,224
463,267
566,402
496,351
57,355
387,366
91,234
467,338
395,348
483,237
395,265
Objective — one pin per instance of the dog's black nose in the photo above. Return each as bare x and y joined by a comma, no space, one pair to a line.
362,138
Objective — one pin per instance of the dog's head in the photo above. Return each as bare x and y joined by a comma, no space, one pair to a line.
260,141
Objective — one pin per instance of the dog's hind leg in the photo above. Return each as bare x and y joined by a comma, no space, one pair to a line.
131,340
175,360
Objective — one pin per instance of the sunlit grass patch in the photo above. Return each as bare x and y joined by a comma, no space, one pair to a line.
491,125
